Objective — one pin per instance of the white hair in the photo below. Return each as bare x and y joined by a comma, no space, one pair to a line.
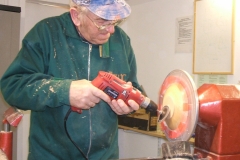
78,7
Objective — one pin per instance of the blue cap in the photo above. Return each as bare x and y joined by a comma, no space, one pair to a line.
107,9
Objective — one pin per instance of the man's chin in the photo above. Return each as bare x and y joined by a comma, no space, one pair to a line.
102,41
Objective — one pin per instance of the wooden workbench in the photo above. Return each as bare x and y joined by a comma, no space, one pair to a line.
157,133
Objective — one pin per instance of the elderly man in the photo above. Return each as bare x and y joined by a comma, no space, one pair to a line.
53,71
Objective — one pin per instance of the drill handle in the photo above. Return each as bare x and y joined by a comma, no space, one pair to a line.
75,109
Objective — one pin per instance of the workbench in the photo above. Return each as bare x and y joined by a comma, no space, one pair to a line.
157,133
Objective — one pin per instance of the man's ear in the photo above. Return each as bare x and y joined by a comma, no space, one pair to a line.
74,15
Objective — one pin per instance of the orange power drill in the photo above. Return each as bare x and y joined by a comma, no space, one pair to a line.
117,89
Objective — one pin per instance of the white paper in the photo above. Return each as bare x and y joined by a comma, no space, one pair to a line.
184,35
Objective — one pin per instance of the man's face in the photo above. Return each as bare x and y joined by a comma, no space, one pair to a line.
89,28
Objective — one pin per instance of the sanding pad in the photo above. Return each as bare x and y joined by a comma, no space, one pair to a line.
179,93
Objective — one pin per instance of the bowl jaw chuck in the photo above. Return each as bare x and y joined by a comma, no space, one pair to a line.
178,114
178,99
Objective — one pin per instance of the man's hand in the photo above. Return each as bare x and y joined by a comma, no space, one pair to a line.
120,107
84,95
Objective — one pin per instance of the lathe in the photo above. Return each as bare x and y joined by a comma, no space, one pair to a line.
209,113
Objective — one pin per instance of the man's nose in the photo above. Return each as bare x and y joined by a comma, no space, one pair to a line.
110,29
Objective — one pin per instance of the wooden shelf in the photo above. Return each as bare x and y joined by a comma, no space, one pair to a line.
157,133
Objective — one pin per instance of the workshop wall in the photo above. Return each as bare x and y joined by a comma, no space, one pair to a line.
151,28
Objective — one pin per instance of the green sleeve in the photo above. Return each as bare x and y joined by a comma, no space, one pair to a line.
27,85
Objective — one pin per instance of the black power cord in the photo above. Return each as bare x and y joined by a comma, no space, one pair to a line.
65,126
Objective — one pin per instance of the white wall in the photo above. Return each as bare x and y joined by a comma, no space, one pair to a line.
151,27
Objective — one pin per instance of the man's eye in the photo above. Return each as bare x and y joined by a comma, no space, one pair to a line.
99,23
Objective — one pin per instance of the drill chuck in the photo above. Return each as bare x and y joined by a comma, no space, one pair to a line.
149,105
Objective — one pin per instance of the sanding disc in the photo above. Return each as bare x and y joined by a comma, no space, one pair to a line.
179,93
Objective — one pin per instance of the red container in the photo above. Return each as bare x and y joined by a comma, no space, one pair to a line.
6,143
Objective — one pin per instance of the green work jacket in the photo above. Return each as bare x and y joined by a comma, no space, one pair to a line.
52,56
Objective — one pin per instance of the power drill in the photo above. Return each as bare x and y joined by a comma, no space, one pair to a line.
116,88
